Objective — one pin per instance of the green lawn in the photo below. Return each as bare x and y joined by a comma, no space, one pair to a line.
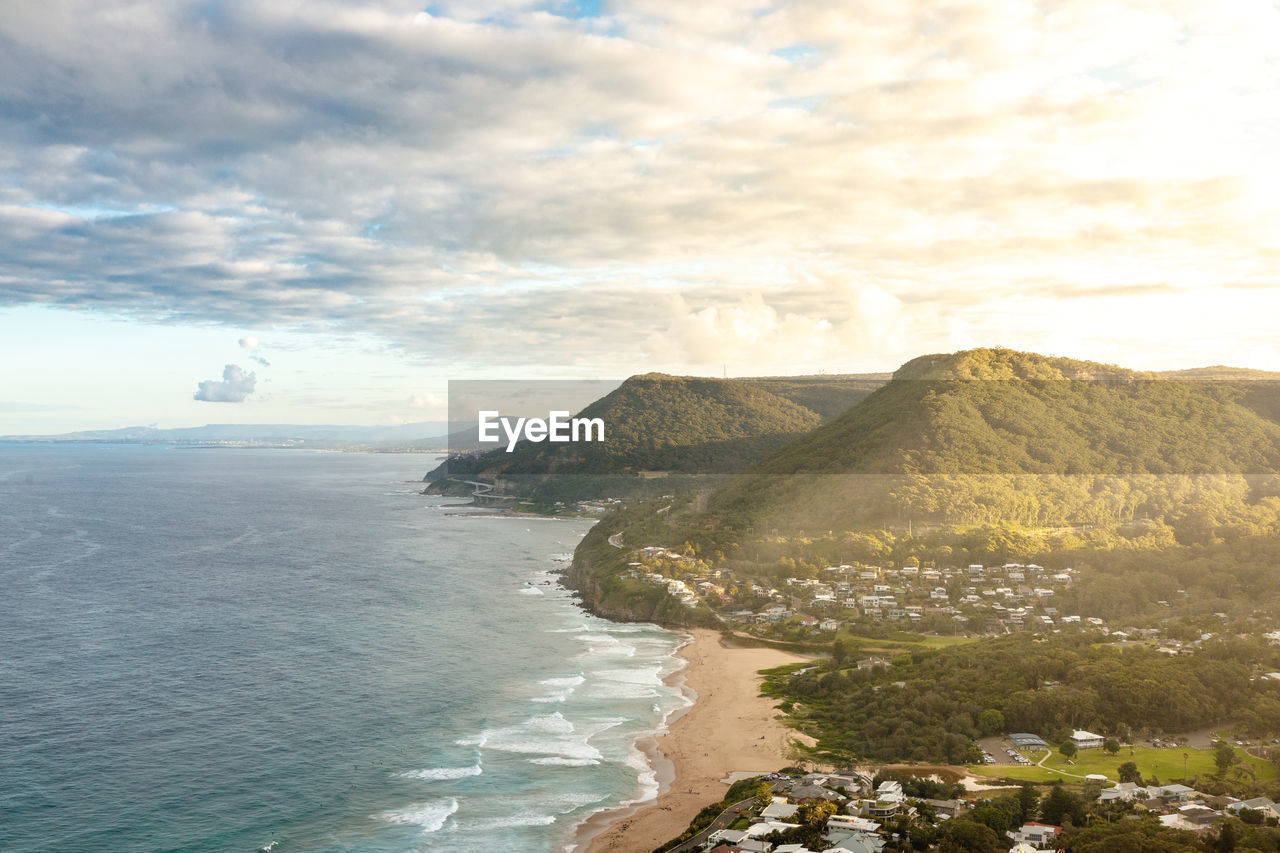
900,641
1164,764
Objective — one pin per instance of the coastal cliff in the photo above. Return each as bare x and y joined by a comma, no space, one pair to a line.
598,574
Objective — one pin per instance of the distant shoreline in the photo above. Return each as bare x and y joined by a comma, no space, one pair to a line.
228,445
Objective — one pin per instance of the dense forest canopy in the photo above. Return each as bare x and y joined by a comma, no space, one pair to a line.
932,705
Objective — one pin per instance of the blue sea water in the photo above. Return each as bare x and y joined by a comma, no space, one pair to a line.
228,649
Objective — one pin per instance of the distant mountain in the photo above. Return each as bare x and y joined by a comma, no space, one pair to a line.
659,426
996,436
828,395
408,435
657,422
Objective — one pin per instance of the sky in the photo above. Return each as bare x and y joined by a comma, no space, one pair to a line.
321,212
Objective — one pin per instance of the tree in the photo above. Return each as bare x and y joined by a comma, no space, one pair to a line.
1129,773
991,721
764,795
1028,803
1223,756
1111,746
1226,840
1059,805
964,836
815,814
1068,749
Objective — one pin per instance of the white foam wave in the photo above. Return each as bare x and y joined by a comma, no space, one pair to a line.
557,761
564,688
646,776
603,644
530,590
617,690
549,735
509,822
648,676
442,774
595,638
431,815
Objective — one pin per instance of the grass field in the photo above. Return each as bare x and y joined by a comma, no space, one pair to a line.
1164,764
900,641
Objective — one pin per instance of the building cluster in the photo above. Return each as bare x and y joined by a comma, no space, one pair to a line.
993,599
855,827
1181,807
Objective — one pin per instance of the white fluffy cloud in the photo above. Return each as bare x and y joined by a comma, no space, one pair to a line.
706,180
235,386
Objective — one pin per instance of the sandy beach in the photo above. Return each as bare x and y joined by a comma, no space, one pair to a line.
729,728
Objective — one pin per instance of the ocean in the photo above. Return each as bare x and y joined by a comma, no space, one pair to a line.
278,650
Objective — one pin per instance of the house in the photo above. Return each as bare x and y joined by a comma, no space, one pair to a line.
754,845
872,663
1086,740
1196,818
859,844
779,809
729,836
766,827
890,791
851,823
816,792
1040,836
947,808
847,779
1124,792
1258,804
1173,793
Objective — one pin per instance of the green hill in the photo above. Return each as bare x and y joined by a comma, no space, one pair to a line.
828,395
996,436
656,423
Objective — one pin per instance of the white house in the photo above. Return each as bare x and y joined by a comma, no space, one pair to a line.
1086,740
1038,835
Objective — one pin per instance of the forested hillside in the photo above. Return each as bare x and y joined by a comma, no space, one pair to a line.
993,436
932,705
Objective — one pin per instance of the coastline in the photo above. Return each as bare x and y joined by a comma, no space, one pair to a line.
727,727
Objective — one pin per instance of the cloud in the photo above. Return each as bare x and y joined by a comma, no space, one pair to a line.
235,386
429,178
252,344
427,401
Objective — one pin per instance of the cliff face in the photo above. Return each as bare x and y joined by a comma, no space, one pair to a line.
597,574
614,605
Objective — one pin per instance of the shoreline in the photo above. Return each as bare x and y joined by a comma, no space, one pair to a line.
727,727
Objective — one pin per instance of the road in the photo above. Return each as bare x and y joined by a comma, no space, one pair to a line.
485,490
616,540
725,818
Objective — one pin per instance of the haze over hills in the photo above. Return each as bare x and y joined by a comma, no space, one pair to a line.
994,435
427,435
